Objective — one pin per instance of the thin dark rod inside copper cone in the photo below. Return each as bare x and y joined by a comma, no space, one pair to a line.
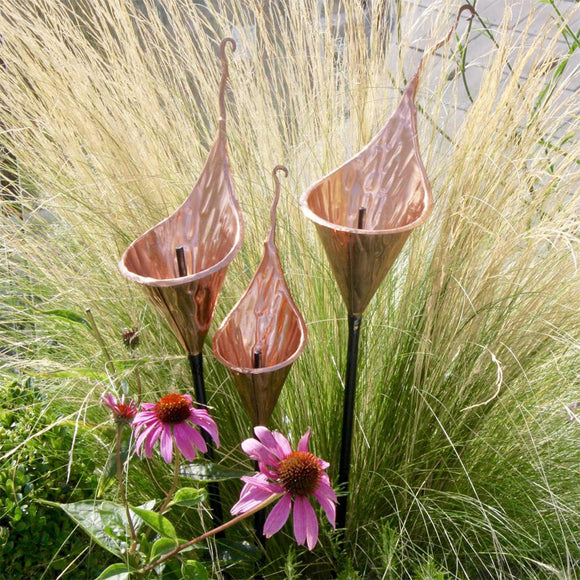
354,323
362,210
196,365
181,265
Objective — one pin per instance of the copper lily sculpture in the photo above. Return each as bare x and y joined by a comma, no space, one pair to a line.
264,333
182,261
364,211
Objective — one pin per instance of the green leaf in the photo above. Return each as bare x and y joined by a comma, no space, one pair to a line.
67,315
188,497
161,547
156,521
116,572
105,521
91,517
193,570
205,471
230,551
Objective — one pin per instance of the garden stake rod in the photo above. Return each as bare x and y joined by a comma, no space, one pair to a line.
196,366
354,323
260,517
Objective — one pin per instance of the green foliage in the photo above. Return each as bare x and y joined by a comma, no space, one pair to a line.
36,537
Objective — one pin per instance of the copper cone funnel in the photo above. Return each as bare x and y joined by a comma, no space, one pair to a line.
365,209
208,227
263,334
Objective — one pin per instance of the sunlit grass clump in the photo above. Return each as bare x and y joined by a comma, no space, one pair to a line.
466,454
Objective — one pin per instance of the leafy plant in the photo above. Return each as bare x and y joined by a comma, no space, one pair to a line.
35,539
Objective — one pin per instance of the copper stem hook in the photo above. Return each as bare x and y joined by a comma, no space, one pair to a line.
447,38
225,73
284,170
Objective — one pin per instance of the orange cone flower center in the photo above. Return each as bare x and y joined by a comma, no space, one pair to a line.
300,472
172,408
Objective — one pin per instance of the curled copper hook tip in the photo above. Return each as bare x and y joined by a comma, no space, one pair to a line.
281,168
447,38
223,43
467,7
284,170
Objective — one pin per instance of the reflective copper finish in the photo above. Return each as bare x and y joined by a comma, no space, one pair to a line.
365,209
208,226
264,333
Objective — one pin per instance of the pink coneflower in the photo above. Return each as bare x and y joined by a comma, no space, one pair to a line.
124,413
169,420
298,475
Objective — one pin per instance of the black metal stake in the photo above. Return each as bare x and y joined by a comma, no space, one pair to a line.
260,517
196,365
354,322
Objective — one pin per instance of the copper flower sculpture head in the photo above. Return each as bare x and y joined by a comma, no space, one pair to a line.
264,333
182,261
365,209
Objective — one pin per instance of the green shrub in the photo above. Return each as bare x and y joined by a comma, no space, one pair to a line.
35,537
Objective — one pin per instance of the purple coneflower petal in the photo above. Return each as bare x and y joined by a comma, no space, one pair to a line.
188,440
166,443
327,505
109,400
300,519
250,498
201,417
324,464
278,516
263,468
327,491
144,417
262,483
266,437
283,443
148,435
148,406
152,438
303,443
311,524
259,452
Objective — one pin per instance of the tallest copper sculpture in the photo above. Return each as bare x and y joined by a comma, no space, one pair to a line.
182,261
364,211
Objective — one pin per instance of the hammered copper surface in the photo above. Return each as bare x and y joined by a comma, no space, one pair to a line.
386,186
208,225
265,320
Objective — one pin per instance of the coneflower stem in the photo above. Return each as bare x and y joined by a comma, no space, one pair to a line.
196,365
122,484
215,531
354,322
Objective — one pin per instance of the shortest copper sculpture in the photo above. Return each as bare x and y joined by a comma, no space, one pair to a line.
264,333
